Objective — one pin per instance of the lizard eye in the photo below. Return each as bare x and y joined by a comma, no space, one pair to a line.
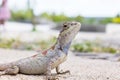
65,25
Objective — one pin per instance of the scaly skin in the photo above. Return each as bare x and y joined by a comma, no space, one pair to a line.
45,61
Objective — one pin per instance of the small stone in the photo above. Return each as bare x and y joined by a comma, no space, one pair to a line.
107,77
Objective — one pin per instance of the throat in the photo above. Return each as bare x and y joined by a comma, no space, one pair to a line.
63,43
66,47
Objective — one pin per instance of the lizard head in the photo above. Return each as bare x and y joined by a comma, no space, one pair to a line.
67,34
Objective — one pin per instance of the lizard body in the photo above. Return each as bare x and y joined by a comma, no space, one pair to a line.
45,61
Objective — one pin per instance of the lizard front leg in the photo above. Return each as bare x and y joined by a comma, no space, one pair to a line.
49,67
10,70
61,72
49,75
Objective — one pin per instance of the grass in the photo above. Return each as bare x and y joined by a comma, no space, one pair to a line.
17,44
93,46
85,46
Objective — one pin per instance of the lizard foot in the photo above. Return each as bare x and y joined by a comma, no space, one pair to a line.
51,78
2,73
64,72
11,70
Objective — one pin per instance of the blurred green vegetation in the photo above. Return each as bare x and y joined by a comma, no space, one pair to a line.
18,44
27,15
85,46
61,17
21,15
93,46
106,21
116,19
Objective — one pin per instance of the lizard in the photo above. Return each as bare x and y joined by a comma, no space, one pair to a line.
44,62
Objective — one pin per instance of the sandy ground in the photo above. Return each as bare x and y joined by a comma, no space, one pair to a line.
80,68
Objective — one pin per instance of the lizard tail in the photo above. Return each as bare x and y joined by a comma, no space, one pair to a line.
4,66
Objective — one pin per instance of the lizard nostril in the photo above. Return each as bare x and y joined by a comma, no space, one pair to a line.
75,23
72,24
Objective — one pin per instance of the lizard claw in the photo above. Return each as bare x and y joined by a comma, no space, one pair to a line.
2,73
64,72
